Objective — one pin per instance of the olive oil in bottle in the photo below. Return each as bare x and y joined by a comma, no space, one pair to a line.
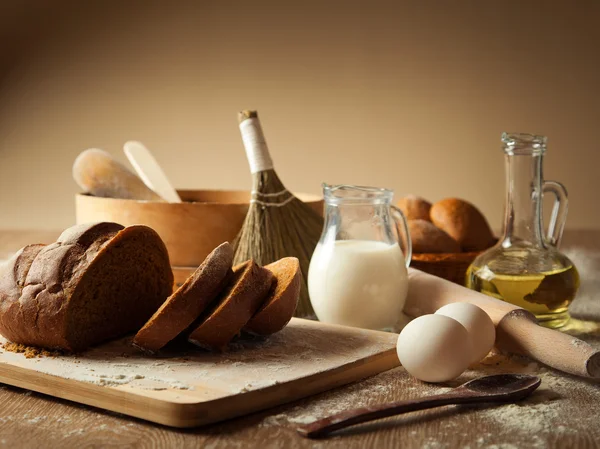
525,267
545,294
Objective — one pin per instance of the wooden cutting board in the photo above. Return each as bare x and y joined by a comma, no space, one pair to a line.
189,387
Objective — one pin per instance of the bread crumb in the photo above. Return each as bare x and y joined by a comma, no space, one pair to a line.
30,352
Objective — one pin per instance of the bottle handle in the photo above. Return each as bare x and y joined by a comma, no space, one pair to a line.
558,216
400,218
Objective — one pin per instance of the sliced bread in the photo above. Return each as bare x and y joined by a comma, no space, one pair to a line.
184,306
279,306
97,282
235,306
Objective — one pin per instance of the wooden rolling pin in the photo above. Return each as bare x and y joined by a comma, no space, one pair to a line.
517,330
98,173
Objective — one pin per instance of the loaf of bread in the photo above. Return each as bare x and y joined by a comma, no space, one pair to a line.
100,281
235,306
96,282
279,306
414,207
184,306
463,222
427,238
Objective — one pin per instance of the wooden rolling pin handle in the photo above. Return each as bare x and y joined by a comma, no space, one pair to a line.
519,333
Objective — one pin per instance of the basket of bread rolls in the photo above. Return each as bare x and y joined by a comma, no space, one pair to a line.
446,236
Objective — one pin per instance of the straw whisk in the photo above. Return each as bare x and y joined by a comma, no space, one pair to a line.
277,224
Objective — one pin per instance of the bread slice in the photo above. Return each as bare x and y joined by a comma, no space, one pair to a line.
97,282
180,310
277,310
234,308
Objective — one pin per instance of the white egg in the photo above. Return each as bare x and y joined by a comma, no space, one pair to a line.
478,324
434,348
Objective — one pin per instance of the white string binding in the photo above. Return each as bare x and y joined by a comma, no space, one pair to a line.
255,144
259,160
264,204
257,193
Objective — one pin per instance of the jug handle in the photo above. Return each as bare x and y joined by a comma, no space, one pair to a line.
400,218
558,216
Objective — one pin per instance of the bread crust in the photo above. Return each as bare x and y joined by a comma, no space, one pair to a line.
12,278
463,222
184,306
414,207
428,238
234,307
37,288
38,316
279,306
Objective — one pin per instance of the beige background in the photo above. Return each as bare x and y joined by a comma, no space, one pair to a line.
408,95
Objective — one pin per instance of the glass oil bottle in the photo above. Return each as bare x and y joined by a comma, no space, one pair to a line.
525,267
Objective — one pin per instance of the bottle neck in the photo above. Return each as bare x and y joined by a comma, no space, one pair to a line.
523,209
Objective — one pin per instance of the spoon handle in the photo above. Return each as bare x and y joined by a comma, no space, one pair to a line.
349,418
148,169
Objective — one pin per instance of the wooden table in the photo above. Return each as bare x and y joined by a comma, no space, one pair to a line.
562,413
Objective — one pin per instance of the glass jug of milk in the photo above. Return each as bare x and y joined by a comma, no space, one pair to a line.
358,272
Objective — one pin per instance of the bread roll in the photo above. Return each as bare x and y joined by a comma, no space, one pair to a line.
414,207
427,238
463,222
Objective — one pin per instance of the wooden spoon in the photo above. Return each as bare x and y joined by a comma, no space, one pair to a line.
150,171
495,388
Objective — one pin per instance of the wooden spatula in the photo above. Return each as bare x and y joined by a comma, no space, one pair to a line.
151,173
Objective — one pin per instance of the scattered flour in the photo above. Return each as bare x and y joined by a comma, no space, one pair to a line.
354,395
540,417
36,420
74,432
249,364
276,360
